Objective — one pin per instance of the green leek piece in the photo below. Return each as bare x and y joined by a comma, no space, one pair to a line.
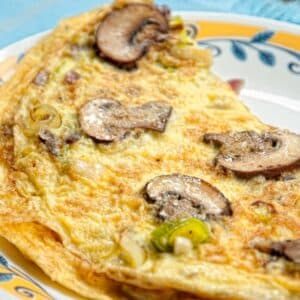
163,237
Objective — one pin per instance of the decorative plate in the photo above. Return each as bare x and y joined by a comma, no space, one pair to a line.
265,53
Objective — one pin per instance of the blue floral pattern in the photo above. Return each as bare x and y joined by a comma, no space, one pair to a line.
12,272
239,49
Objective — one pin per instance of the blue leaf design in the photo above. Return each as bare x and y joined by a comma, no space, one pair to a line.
267,58
3,261
262,37
238,51
216,51
192,30
294,68
5,277
24,291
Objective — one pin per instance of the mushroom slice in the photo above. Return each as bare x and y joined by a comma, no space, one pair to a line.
290,249
53,143
126,34
108,120
248,153
177,196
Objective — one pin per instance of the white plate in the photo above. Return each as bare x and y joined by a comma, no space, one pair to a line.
263,52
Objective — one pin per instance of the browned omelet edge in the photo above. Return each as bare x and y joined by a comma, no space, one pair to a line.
64,267
43,246
48,250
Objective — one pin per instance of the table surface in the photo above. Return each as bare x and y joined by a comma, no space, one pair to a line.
21,18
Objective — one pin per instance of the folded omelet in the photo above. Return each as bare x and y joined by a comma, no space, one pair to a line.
130,171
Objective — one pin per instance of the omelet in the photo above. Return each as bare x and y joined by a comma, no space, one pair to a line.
135,172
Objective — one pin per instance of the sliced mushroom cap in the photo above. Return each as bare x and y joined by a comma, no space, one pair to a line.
249,153
108,120
177,196
125,34
290,249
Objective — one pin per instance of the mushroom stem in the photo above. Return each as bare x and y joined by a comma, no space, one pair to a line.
108,120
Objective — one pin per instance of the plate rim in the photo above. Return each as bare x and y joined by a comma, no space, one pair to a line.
244,19
193,15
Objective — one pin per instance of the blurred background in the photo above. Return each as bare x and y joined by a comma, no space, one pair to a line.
21,18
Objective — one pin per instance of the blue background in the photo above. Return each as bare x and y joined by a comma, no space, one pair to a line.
20,18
